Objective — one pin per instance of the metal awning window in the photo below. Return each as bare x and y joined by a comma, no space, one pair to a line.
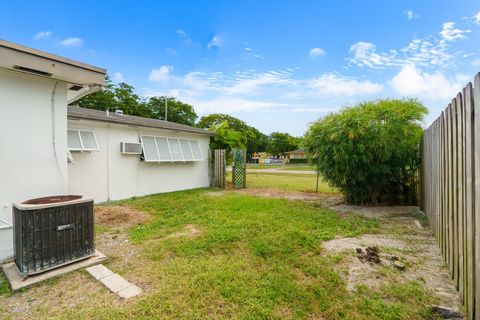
82,140
163,149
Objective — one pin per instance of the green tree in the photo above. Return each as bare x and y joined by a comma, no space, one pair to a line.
255,141
130,102
368,151
122,96
104,99
226,138
178,111
280,142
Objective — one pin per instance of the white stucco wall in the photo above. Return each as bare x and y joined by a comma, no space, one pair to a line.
30,165
109,175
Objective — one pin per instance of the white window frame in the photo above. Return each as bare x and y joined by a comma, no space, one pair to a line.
170,149
83,149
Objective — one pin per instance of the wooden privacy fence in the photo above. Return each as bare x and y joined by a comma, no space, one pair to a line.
450,190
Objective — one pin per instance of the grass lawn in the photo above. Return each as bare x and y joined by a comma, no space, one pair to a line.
265,166
298,168
250,258
285,181
254,258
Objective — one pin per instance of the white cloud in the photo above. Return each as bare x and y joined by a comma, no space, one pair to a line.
160,74
43,35
477,18
315,109
412,82
450,33
250,84
184,35
216,42
316,52
364,54
268,91
71,42
230,105
181,33
428,52
476,62
331,84
118,77
410,14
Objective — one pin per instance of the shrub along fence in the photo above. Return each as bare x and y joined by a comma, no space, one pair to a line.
450,190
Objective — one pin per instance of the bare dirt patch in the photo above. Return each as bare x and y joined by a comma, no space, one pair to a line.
216,193
190,231
119,216
399,237
328,199
375,212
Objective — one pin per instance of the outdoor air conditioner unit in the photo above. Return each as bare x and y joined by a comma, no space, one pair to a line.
130,148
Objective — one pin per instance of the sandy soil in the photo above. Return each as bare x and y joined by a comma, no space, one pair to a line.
327,199
119,216
402,236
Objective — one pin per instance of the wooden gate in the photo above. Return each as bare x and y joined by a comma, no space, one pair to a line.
218,167
239,168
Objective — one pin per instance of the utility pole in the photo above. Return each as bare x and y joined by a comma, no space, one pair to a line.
166,109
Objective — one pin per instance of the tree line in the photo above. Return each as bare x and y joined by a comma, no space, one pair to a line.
230,132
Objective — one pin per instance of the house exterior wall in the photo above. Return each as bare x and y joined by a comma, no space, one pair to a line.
33,141
109,175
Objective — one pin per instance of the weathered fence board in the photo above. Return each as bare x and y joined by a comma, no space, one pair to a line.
450,190
219,167
475,175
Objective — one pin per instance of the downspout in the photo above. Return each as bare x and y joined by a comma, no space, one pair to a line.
54,145
108,162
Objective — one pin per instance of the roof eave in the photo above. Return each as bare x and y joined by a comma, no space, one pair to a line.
74,117
38,63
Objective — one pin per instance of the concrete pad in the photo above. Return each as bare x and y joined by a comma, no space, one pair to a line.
115,283
17,281
99,271
129,292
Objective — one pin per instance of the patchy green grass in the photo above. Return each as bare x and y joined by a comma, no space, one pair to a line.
298,168
4,287
286,181
250,258
254,258
265,166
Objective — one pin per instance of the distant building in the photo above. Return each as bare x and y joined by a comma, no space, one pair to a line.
296,156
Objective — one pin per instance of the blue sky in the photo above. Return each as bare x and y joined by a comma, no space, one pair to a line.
278,65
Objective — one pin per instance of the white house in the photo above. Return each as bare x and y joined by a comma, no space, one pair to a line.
157,156
47,148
